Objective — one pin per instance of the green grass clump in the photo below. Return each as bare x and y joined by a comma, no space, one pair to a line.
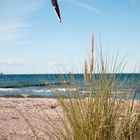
104,114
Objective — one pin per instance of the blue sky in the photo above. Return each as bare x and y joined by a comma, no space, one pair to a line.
33,41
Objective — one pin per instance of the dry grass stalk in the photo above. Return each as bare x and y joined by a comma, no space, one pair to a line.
85,72
92,58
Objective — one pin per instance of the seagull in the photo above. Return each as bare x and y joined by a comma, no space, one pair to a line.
56,9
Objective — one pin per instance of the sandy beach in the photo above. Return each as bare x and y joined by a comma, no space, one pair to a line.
17,113
13,126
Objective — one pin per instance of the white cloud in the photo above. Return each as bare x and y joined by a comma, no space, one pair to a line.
7,67
13,19
56,63
19,8
18,68
88,7
10,32
14,15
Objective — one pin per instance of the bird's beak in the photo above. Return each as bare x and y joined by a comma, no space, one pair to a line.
56,9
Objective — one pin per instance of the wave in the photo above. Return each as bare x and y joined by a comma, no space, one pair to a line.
7,89
29,92
45,92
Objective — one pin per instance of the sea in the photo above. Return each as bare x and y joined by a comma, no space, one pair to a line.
44,85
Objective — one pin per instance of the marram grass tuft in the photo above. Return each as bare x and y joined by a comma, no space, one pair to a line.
104,113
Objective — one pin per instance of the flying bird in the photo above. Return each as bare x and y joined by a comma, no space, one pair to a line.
56,9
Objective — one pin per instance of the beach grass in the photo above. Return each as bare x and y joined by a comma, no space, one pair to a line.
102,115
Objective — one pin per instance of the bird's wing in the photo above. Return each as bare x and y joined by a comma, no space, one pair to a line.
56,9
